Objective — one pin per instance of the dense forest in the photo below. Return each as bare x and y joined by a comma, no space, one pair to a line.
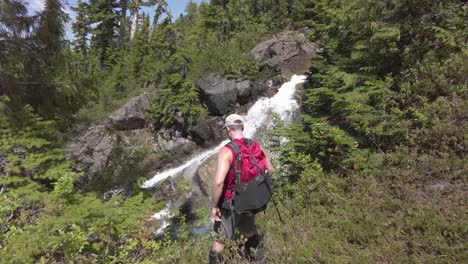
374,172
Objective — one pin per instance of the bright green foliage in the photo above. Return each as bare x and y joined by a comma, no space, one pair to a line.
67,230
177,103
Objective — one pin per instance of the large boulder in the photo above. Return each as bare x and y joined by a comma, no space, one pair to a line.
288,52
218,93
205,173
132,114
208,132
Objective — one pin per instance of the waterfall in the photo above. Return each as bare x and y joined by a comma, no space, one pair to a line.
282,103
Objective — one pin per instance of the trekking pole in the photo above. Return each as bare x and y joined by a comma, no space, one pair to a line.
276,207
274,203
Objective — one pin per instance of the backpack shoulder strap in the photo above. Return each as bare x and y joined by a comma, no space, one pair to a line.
236,149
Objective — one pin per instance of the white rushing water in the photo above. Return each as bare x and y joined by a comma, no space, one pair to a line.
282,104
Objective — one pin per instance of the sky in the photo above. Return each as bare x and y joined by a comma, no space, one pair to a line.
176,7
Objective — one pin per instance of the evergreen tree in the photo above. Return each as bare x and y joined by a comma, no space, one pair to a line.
15,46
51,30
139,48
177,100
123,23
104,14
81,29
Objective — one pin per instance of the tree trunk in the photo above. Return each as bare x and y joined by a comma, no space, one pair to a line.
123,22
135,17
162,7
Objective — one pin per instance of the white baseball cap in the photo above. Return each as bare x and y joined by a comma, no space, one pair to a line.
233,120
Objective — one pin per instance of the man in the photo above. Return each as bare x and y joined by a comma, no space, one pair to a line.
226,221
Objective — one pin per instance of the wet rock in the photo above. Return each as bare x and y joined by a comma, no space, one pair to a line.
267,86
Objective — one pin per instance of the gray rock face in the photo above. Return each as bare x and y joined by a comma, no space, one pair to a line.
288,52
92,151
208,132
132,114
219,94
100,151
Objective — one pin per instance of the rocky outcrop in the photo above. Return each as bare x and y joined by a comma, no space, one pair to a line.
218,93
109,150
92,150
223,96
244,90
288,52
103,153
132,114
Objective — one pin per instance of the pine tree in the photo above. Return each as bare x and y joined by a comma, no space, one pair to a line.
81,29
15,46
104,14
138,50
123,23
51,30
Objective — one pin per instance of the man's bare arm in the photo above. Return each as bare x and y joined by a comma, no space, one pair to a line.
269,166
224,161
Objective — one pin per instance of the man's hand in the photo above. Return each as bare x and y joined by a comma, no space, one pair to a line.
224,161
216,213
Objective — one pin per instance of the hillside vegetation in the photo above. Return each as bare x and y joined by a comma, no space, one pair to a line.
375,172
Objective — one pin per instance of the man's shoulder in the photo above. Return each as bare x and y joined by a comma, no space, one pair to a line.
225,150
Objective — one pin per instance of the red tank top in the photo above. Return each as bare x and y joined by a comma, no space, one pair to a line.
230,180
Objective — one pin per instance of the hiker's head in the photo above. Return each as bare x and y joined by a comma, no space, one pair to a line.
234,126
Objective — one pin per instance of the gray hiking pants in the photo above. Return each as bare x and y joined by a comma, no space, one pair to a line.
245,223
